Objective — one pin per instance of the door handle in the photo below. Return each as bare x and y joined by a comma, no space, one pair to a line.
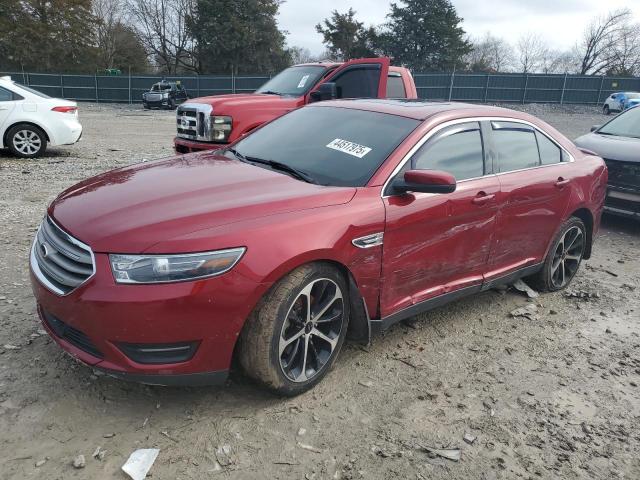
482,198
561,182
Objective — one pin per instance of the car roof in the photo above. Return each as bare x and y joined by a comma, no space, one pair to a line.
422,109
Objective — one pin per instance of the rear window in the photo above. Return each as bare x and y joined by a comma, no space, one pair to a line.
550,153
515,145
5,95
395,87
334,146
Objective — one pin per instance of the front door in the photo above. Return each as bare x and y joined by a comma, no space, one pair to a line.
439,243
535,184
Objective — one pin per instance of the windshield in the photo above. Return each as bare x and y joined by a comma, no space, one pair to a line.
159,87
633,95
626,124
31,90
293,81
332,146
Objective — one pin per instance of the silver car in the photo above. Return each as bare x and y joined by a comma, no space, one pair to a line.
618,143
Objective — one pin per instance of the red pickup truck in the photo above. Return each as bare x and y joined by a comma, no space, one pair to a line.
209,123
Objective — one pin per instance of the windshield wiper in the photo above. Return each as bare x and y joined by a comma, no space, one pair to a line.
275,165
271,92
606,133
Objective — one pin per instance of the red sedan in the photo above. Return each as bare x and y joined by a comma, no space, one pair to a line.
335,220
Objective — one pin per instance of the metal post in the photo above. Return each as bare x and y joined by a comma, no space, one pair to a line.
233,81
600,90
453,74
564,84
486,88
62,85
129,84
526,84
27,84
198,85
95,82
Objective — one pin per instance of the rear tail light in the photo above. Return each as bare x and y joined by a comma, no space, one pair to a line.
65,109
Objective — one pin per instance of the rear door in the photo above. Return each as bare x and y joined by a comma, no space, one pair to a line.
440,243
535,183
7,104
362,78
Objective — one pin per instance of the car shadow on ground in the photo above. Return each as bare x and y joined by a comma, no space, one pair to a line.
621,224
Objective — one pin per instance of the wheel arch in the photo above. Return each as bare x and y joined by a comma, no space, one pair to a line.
24,122
586,216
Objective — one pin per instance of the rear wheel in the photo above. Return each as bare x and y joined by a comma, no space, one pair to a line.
564,257
26,141
606,110
295,334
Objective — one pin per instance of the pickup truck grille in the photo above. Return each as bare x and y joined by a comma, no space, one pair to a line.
623,174
153,97
59,261
193,121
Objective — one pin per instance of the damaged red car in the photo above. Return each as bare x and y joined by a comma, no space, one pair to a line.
335,220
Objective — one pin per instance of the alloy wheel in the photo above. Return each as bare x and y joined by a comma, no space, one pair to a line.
27,142
567,256
311,330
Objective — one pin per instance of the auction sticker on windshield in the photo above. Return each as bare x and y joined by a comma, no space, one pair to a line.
303,80
349,148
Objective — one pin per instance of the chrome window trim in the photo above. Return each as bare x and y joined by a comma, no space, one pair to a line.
36,268
444,125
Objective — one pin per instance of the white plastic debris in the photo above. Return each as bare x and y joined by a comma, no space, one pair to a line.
140,462
524,288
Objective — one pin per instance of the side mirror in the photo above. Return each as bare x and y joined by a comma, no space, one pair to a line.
595,127
325,91
425,181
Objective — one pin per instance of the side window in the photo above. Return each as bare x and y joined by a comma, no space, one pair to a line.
5,95
550,153
457,150
515,145
395,87
360,81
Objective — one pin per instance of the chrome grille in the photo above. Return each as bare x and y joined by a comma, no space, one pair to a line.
193,121
153,97
58,260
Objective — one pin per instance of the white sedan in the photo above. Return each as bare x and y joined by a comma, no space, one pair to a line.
30,119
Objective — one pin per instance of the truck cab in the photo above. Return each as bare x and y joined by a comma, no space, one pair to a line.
209,123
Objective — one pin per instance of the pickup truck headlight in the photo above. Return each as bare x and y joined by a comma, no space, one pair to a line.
173,268
221,128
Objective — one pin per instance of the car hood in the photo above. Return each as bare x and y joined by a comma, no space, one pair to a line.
614,148
131,209
224,104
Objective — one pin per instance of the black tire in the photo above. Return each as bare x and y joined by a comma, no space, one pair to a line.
172,104
563,259
266,347
606,110
26,141
145,106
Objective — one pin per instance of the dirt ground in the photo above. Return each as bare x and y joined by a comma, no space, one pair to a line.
552,396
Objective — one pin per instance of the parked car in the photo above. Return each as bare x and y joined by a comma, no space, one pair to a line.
618,102
340,217
618,142
213,122
164,95
29,120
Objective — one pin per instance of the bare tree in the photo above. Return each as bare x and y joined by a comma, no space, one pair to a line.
596,49
531,52
302,55
109,15
625,55
162,26
490,53
559,62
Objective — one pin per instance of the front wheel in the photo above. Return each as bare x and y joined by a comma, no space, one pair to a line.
606,110
564,257
26,141
295,334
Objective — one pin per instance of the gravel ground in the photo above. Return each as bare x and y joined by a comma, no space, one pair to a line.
551,396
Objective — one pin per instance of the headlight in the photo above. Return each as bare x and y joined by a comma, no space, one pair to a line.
173,268
221,128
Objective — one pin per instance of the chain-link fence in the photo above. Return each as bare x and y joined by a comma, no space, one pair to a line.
466,87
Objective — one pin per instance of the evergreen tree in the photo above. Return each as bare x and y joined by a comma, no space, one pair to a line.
238,36
425,35
346,38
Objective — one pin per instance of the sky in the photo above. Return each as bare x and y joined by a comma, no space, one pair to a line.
559,22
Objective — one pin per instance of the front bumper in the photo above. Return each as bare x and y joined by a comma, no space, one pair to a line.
622,201
100,317
156,104
183,145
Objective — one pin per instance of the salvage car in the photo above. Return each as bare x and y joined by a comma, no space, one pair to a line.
339,218
620,101
618,142
210,123
164,95
29,120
